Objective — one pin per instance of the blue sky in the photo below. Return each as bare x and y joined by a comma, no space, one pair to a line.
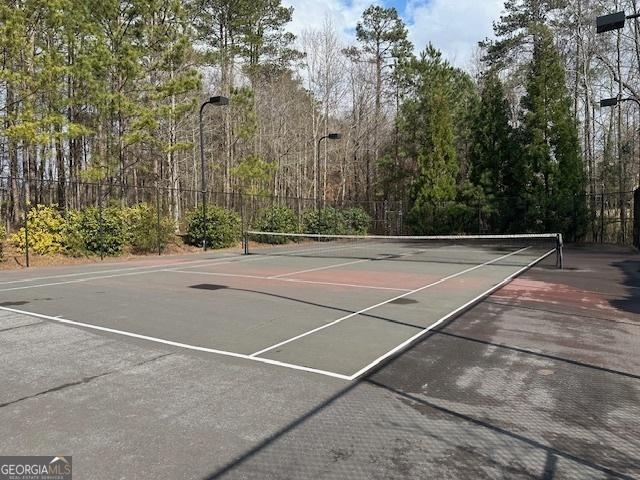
398,4
453,26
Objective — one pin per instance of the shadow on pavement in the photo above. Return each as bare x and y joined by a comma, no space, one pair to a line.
526,442
631,271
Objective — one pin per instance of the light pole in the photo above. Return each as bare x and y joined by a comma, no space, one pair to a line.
612,102
331,136
607,23
218,101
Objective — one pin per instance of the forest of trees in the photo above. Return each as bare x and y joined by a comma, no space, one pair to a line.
109,92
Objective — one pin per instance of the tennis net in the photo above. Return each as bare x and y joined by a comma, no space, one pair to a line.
439,248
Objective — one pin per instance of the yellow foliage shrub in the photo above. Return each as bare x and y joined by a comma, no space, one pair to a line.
46,232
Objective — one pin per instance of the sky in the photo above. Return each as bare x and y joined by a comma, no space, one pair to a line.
453,26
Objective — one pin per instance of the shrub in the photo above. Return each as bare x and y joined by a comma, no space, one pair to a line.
222,228
357,221
141,229
73,239
98,232
46,231
276,219
325,221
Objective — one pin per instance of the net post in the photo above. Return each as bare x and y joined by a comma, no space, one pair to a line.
559,259
245,243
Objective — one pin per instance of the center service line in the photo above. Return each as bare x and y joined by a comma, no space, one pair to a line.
410,292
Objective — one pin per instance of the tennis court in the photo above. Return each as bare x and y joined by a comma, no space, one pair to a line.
331,305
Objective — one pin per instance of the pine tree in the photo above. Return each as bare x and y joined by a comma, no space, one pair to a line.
497,166
550,143
428,137
383,38
516,29
434,188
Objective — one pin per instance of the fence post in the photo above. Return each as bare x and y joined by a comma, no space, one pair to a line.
385,216
636,218
100,220
602,215
158,241
26,234
243,224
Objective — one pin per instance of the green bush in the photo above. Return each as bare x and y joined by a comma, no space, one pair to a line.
46,231
74,244
95,234
222,228
325,221
276,219
141,229
356,220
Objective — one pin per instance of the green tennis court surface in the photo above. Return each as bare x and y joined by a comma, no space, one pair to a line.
336,306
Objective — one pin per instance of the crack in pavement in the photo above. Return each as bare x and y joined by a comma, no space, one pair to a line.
83,381
2,330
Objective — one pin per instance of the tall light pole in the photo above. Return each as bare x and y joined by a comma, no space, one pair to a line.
331,136
218,101
612,102
607,23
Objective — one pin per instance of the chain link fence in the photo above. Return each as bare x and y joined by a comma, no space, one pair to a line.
18,197
612,217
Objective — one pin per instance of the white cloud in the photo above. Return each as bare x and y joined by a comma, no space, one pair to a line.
310,14
453,26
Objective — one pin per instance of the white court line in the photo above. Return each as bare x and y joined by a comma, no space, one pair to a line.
289,280
224,258
77,274
409,341
156,268
266,360
383,257
79,280
326,267
410,292
161,267
176,344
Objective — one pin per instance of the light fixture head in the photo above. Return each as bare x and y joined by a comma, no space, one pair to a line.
609,102
219,100
614,21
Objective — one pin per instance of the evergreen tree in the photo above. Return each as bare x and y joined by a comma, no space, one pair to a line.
434,189
496,165
550,143
266,46
515,31
428,137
